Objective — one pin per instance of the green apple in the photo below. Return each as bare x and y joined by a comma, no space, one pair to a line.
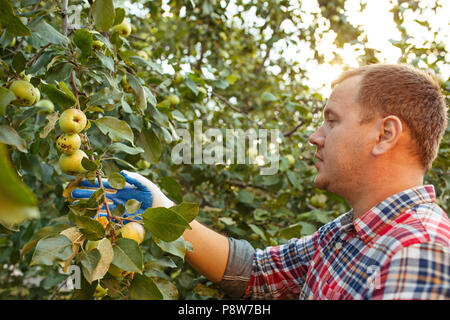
178,78
68,143
71,163
173,100
12,43
38,95
26,94
201,93
91,245
223,36
100,292
143,164
133,230
97,45
117,272
142,54
48,106
72,121
164,104
126,86
319,200
123,28
291,159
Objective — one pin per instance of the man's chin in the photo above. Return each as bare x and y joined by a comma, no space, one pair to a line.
321,183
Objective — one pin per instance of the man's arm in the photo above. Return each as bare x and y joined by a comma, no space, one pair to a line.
210,251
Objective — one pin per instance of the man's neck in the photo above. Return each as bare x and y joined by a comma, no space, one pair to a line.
372,194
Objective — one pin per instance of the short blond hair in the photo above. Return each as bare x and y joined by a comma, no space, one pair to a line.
409,93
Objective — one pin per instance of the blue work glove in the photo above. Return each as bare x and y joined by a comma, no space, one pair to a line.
137,187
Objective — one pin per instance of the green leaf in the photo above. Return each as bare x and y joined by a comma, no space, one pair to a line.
19,62
191,85
89,165
18,202
258,231
46,32
128,255
187,210
268,97
165,224
291,231
10,21
106,61
66,89
116,180
101,266
89,261
231,79
50,250
132,205
116,129
177,247
52,120
120,147
83,40
44,232
91,228
103,13
57,96
6,97
139,90
120,15
245,196
143,288
96,199
10,136
149,141
172,187
167,288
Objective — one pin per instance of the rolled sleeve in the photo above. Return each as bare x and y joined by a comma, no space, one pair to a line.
239,267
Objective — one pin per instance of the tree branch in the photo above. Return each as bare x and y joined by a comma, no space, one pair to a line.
64,15
33,59
290,133
245,185
228,103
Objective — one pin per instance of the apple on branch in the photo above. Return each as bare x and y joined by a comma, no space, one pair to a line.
26,94
133,230
47,105
68,143
72,121
123,28
71,163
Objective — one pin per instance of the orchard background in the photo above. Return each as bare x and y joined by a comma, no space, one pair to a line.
224,62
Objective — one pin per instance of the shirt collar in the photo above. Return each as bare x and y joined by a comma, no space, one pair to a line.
373,221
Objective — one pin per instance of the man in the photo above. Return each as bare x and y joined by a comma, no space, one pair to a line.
381,132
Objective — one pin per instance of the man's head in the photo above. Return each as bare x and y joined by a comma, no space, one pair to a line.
376,113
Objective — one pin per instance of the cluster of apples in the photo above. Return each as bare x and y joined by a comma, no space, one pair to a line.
71,122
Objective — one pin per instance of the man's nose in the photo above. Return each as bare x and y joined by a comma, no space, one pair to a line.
317,138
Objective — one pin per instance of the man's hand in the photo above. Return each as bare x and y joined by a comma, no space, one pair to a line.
137,187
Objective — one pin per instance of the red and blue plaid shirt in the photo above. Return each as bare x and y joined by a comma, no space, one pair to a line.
397,250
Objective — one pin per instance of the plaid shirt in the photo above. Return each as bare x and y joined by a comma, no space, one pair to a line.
397,250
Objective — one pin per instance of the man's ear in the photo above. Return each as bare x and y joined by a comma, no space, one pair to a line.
389,132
